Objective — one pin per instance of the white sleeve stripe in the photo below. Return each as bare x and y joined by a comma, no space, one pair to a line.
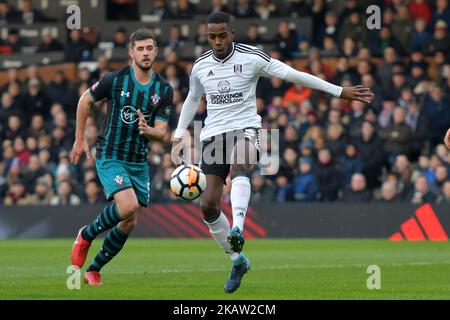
243,46
254,53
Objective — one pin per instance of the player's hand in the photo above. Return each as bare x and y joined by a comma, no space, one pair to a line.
358,93
447,139
78,148
143,126
177,147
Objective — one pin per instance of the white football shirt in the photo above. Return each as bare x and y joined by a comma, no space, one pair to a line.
230,86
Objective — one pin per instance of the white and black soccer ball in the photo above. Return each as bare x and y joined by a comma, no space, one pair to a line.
188,182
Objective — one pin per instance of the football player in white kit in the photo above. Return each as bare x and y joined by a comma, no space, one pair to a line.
228,75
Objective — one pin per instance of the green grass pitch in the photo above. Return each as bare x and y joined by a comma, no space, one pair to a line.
197,269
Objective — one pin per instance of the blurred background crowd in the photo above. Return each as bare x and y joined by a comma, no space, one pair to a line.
330,150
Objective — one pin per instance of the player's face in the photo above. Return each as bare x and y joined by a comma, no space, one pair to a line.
144,54
220,38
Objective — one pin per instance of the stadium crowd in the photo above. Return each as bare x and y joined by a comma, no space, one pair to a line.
330,150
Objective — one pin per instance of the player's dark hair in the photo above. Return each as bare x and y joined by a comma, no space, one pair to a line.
218,17
141,34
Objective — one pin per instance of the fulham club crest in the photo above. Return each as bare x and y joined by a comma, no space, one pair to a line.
237,68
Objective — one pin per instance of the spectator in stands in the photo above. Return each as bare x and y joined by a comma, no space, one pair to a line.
354,29
389,192
283,190
371,151
184,9
286,40
444,198
252,36
440,40
422,193
266,9
305,183
329,29
418,123
14,128
396,136
201,37
420,36
65,196
357,192
77,49
403,170
8,14
436,109
30,15
33,171
22,154
420,9
59,90
385,70
299,8
262,191
328,176
17,194
7,108
441,175
175,41
243,9
442,12
36,100
296,93
403,27
92,193
349,164
335,134
161,10
15,41
122,10
48,43
120,38
43,193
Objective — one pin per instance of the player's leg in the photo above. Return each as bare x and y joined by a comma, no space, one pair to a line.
244,159
213,216
114,179
127,203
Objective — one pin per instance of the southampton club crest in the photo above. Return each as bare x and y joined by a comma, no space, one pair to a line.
118,180
155,99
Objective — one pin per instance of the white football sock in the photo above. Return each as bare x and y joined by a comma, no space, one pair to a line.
239,197
220,229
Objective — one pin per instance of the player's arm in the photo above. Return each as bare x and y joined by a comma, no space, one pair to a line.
80,145
162,118
283,71
447,139
190,106
157,132
100,90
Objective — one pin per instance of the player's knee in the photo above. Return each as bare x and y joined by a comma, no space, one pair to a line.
128,209
209,208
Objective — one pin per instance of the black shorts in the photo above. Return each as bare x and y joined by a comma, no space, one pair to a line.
216,150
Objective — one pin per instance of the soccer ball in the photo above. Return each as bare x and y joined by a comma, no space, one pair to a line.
188,182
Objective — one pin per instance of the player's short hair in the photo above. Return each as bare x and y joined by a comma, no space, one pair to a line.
141,34
218,17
